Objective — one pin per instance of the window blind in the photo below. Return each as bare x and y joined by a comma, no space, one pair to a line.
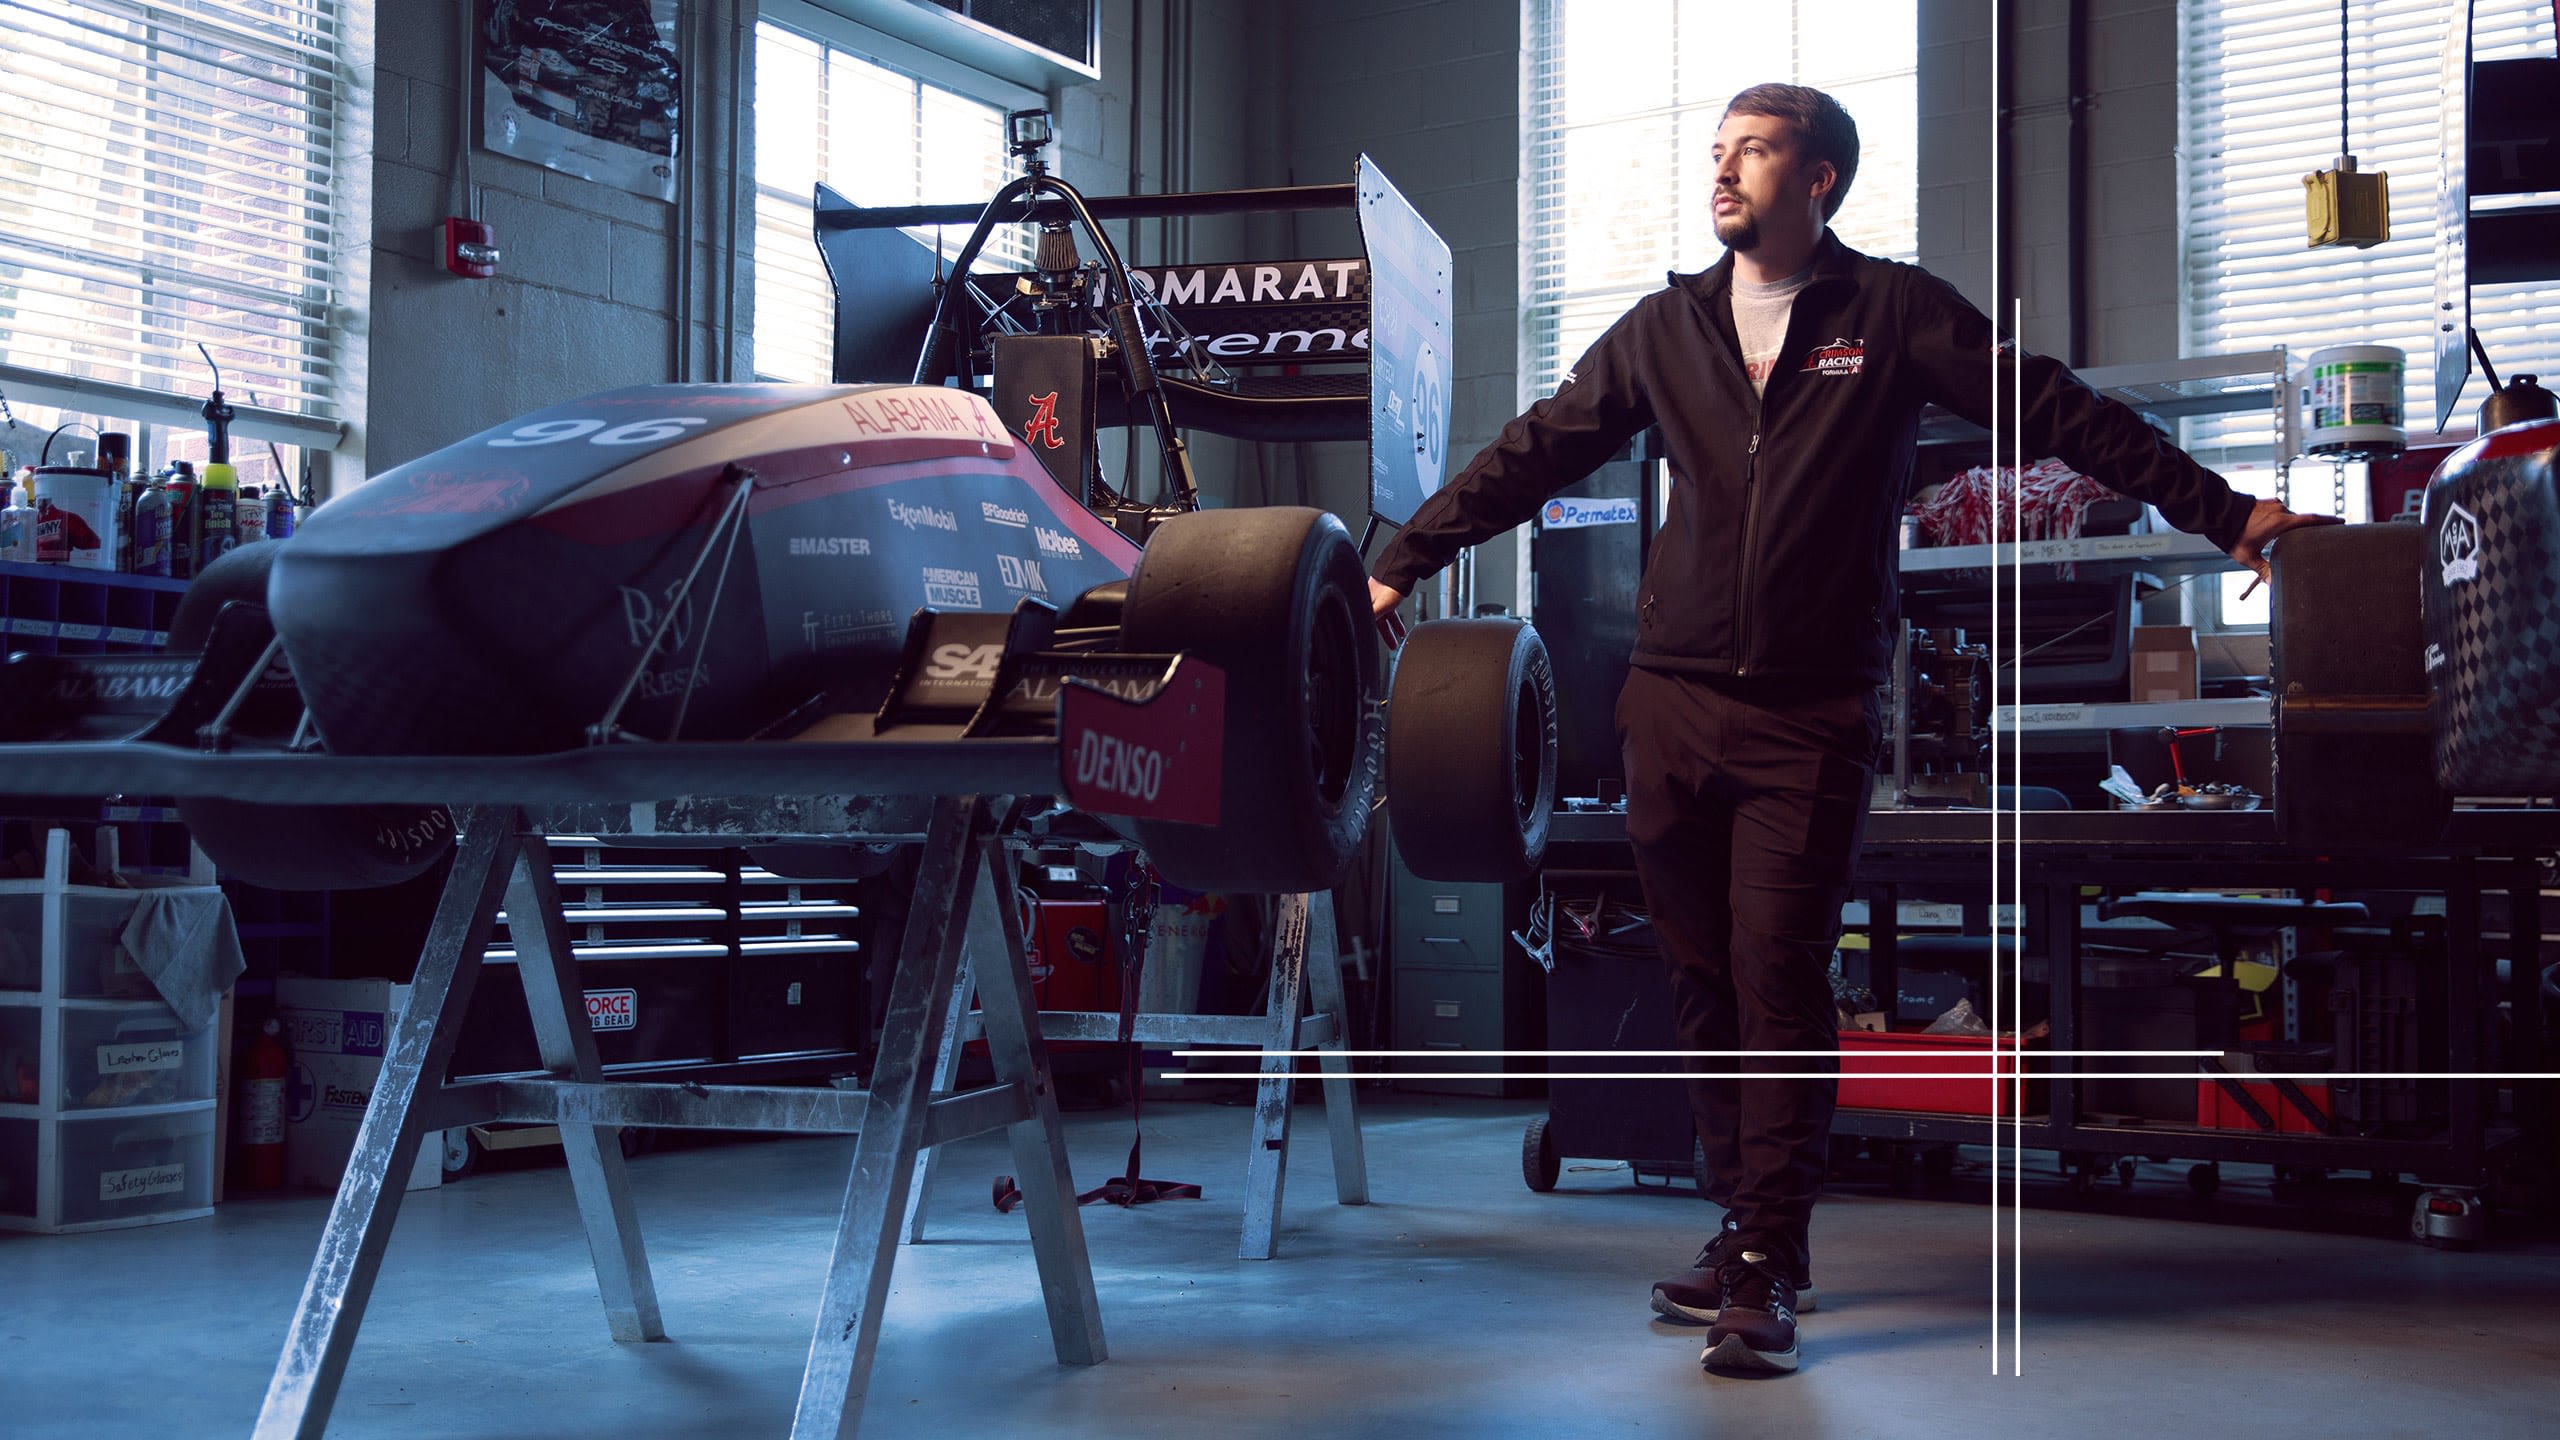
165,179
878,136
1624,99
2261,111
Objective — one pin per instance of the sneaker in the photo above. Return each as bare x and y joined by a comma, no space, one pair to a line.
1693,1296
1756,1331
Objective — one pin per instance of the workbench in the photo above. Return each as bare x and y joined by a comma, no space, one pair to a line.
2044,858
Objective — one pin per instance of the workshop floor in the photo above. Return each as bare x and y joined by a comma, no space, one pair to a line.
1457,1303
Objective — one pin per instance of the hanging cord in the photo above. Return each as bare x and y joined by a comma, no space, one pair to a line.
2343,148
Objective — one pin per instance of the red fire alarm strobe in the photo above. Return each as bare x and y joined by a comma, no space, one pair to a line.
470,248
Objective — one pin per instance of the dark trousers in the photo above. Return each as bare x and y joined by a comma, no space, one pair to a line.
1745,804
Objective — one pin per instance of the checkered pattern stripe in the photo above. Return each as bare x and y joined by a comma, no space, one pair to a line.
2497,686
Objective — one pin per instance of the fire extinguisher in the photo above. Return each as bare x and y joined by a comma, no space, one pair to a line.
262,1111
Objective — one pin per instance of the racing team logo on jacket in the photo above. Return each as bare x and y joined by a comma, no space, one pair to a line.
1840,357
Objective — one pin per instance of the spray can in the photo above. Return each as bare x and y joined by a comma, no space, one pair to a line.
182,518
217,513
17,527
280,516
249,521
150,530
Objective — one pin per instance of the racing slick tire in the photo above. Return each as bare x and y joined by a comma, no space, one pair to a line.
296,847
1277,599
1471,750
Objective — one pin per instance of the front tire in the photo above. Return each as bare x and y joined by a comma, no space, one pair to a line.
1277,599
1471,751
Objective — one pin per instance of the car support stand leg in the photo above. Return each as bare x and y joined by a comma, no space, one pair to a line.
1304,963
956,850
305,1384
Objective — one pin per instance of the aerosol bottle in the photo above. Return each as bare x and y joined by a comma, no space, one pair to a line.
17,526
151,530
115,456
280,516
249,522
181,486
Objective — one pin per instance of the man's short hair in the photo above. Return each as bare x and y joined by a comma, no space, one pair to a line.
1822,126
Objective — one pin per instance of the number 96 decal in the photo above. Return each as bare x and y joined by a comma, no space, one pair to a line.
637,432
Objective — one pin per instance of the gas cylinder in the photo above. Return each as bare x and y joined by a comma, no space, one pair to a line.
262,1111
2491,591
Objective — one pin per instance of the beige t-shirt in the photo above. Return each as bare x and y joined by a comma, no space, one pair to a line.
1760,322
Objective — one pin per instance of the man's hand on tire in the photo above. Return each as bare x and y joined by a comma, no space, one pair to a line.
1382,606
2267,520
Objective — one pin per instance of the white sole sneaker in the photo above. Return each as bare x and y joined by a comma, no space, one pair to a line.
1679,1314
1731,1354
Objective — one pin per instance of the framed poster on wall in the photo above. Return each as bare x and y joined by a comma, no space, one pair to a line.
587,87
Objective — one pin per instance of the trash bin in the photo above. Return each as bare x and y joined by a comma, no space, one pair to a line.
1607,991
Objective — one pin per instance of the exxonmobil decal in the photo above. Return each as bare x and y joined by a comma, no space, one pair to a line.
1157,759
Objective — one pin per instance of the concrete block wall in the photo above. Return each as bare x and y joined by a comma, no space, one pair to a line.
587,295
1430,89
2131,210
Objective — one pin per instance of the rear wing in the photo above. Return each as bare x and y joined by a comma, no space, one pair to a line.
1329,348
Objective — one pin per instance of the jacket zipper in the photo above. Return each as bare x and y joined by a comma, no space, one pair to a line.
1750,525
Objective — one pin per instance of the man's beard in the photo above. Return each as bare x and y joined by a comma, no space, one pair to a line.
1739,231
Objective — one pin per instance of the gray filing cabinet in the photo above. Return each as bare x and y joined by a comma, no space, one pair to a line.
1462,988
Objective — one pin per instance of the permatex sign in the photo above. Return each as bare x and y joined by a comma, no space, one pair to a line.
613,1009
1565,514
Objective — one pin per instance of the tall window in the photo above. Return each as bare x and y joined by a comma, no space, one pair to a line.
1625,98
2261,112
2260,108
876,135
165,176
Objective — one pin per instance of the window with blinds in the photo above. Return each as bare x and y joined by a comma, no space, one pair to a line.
1625,96
876,135
165,173
2261,111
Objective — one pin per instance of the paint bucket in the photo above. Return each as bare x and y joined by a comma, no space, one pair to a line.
2352,401
75,521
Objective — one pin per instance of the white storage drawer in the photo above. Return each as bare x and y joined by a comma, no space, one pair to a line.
132,1055
21,941
94,965
129,1169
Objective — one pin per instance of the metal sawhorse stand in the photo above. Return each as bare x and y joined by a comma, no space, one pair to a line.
1306,972
896,1120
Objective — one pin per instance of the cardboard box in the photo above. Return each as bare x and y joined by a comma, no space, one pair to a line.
338,1031
2164,663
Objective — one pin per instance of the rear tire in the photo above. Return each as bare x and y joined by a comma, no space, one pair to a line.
1471,751
296,847
1277,599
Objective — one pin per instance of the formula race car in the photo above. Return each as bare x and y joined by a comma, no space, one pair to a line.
813,587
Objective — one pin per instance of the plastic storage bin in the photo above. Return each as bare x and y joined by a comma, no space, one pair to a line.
94,963
132,1170
139,1056
21,942
1954,1077
21,1055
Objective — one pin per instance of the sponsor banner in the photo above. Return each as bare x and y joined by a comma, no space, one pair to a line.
1570,514
1158,760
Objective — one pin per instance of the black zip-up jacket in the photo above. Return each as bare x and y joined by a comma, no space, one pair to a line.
1778,555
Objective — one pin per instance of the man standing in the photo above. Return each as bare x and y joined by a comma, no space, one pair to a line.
1788,382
